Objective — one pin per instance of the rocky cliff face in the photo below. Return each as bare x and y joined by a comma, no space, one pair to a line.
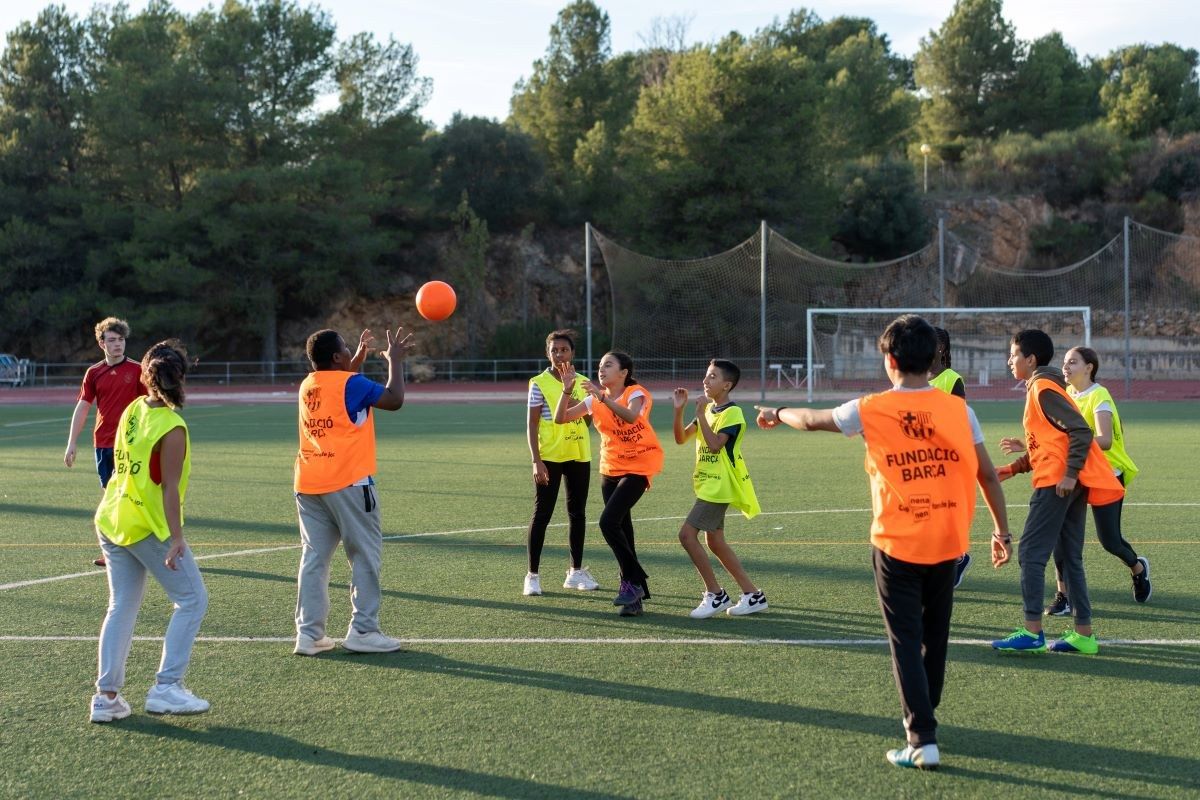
539,280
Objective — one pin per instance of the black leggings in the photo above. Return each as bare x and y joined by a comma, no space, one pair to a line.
1108,531
579,476
620,496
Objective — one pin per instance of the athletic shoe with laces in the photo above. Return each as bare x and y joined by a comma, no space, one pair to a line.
533,584
710,604
580,579
916,757
751,603
373,642
634,609
1060,607
960,568
1141,583
308,646
174,698
1022,641
1072,642
105,710
629,594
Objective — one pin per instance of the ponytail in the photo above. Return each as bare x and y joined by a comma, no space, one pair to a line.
164,367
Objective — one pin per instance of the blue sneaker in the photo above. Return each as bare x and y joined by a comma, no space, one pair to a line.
630,593
1022,641
922,757
960,568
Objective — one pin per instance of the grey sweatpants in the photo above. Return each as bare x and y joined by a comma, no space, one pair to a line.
349,516
127,568
1055,524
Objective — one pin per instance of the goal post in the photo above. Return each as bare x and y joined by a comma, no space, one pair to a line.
842,353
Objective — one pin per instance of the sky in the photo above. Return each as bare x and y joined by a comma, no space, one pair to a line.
476,50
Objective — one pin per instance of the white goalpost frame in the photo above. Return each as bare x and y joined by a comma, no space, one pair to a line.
1084,311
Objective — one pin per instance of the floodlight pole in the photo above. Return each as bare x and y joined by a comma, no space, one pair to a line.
762,311
925,150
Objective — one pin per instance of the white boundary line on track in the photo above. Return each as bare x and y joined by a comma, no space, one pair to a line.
397,537
566,640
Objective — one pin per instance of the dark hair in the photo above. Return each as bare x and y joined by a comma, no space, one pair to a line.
322,346
1032,342
912,342
943,347
729,371
626,363
566,334
111,324
164,367
1089,356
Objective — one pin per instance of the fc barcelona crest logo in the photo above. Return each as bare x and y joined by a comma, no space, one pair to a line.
312,398
917,424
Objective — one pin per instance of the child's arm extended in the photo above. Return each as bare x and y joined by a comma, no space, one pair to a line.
679,397
802,419
628,413
566,409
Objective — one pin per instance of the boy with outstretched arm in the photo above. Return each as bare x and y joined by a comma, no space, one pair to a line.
925,455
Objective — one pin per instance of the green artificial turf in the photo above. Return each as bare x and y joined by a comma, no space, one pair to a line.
500,695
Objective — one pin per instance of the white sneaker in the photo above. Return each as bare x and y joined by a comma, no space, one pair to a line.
710,604
173,698
105,710
533,584
373,642
580,579
924,757
749,604
308,646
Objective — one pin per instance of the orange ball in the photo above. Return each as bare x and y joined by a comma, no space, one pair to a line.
436,301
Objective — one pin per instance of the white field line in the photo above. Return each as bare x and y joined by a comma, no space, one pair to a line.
567,640
31,422
397,537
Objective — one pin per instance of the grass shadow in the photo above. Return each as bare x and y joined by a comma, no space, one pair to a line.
273,745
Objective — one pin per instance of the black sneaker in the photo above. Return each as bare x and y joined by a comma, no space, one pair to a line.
1141,583
960,568
1061,607
632,610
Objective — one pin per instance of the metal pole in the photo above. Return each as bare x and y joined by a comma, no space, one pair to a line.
762,310
941,264
808,354
926,173
587,292
1128,349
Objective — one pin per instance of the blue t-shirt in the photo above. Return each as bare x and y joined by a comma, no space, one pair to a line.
361,394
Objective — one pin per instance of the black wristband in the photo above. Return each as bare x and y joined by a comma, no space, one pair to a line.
781,408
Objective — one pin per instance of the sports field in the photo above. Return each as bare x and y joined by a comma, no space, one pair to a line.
499,695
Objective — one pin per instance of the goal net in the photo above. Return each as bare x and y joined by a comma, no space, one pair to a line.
844,354
751,304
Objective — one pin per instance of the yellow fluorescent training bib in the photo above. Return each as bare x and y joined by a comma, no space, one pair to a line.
566,442
1116,455
722,477
132,507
